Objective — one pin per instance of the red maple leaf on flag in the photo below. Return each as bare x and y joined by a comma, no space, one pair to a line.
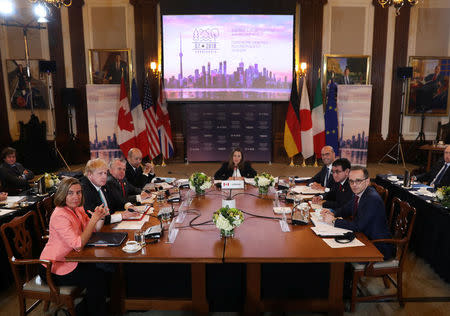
125,120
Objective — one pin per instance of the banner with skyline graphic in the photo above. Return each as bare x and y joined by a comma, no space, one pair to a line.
228,57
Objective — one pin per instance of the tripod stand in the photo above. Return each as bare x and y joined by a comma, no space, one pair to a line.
52,109
398,146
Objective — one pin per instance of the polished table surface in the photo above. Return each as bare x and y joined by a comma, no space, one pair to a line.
256,241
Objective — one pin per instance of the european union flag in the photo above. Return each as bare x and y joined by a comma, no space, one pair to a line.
331,119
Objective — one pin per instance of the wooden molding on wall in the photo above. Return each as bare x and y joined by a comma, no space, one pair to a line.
399,60
55,41
5,136
79,77
377,78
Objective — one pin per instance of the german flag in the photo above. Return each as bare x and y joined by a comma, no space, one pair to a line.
292,136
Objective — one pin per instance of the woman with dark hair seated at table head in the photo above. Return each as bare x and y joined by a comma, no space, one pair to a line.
236,167
70,229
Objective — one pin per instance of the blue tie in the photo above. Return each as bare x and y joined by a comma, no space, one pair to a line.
102,198
440,175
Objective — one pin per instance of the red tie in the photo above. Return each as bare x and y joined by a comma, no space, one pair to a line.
340,187
123,188
355,206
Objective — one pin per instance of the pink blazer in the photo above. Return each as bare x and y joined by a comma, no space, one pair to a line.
66,227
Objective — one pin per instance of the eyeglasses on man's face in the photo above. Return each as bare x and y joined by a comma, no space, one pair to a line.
336,171
356,181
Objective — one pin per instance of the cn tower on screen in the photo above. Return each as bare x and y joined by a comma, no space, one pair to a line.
180,78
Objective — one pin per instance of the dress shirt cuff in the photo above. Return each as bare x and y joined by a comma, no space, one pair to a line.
115,218
138,198
127,205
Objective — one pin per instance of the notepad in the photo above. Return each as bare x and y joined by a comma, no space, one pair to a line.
5,211
132,225
334,244
306,190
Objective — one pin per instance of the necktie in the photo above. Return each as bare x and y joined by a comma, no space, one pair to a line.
102,197
440,175
340,187
355,206
123,188
325,182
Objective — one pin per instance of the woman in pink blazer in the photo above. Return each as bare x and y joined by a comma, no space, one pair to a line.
70,229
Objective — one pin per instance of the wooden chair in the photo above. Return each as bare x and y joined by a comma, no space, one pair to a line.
45,209
23,243
402,229
382,191
443,133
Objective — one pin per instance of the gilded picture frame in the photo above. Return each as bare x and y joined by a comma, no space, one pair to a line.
428,87
106,66
336,66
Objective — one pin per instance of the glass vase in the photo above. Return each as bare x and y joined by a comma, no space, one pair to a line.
226,233
263,190
199,192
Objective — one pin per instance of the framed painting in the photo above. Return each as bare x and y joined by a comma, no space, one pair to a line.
20,95
346,69
428,88
107,66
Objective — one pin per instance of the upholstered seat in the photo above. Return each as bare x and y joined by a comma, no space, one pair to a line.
402,229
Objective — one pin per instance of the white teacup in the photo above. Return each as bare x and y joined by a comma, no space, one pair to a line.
131,244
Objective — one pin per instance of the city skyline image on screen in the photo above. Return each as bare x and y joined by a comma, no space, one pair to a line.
228,57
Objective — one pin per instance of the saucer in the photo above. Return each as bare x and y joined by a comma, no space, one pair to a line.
132,249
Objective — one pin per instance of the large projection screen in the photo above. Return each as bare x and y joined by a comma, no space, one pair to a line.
228,57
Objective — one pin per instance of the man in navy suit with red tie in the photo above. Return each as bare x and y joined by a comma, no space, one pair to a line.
439,174
340,193
364,213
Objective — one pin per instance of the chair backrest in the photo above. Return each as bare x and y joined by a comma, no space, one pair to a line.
402,225
23,240
443,132
382,191
45,209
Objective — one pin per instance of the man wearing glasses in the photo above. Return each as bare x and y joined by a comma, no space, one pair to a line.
340,192
364,212
323,179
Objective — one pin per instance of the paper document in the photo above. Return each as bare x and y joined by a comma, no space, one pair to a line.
132,224
4,212
334,244
150,200
282,209
14,199
167,180
141,208
250,181
306,190
328,230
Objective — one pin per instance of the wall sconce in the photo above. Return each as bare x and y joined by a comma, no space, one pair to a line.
155,69
302,71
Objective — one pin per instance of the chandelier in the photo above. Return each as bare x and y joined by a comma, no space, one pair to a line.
56,3
398,4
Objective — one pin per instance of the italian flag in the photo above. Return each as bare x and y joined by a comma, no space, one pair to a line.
306,124
318,119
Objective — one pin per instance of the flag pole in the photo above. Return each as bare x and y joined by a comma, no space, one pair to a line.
315,163
304,163
163,163
292,162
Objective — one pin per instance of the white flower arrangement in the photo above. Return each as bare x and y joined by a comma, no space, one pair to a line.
199,182
227,219
264,180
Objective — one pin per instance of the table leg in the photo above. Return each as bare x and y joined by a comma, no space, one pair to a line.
335,301
199,302
253,299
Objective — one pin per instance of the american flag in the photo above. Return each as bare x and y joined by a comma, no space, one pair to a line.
148,107
163,124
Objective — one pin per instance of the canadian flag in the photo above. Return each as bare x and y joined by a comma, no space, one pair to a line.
125,134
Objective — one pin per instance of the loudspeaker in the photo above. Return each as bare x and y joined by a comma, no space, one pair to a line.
47,66
70,97
404,72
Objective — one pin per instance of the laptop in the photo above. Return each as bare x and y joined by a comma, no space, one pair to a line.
106,239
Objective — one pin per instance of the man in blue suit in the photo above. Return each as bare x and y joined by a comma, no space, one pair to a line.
364,213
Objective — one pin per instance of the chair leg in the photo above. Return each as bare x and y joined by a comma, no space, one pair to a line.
22,305
71,307
400,289
46,306
386,282
354,288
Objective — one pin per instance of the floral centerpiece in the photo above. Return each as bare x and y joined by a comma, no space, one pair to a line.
227,219
199,182
443,195
263,182
51,180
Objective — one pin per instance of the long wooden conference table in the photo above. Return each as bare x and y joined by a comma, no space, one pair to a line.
257,241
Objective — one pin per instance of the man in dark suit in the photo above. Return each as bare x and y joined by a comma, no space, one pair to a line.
123,194
13,176
340,193
345,79
323,178
366,211
115,71
95,193
135,174
439,174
